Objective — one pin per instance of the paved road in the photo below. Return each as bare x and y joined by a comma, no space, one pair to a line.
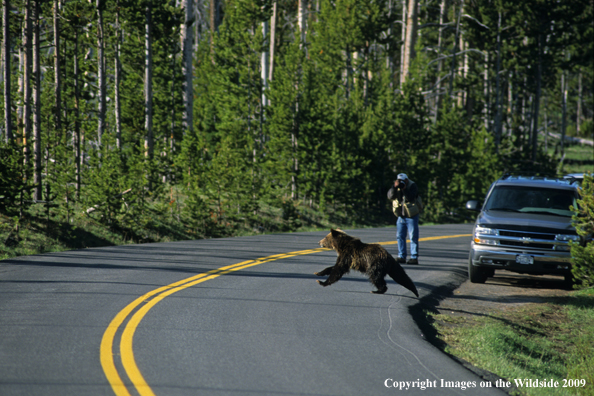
235,316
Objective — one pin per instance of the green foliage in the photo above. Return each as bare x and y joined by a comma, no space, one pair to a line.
466,164
199,220
583,221
13,179
104,187
330,130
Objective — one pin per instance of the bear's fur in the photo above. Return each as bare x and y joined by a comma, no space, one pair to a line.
369,258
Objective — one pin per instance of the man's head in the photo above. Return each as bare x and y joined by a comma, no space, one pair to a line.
401,181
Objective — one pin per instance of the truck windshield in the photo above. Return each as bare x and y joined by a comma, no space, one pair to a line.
532,200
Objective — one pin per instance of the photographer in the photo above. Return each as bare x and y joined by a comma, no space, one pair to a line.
405,189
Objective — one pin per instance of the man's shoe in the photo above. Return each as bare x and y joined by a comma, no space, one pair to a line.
401,260
413,261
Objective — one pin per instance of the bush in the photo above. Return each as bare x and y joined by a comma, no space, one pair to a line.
583,221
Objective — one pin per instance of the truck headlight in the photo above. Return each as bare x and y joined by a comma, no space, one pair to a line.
567,238
486,236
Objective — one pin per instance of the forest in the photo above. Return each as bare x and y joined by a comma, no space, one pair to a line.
198,118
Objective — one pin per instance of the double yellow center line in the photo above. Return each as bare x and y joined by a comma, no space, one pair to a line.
131,316
134,312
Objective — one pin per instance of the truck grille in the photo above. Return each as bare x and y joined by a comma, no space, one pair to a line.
527,239
526,245
533,235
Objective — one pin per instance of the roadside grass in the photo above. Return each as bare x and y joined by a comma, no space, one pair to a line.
551,340
36,232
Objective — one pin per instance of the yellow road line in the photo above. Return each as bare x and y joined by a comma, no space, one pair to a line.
150,299
428,239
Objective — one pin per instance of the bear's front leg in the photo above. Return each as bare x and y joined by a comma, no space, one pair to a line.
333,278
341,267
335,274
324,272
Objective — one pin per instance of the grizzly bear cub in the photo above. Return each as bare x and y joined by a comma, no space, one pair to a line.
369,258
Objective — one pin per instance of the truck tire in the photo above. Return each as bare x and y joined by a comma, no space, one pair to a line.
476,274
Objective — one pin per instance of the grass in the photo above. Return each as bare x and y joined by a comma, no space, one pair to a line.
552,340
578,158
161,221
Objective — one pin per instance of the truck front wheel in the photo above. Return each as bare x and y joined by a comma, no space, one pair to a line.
476,274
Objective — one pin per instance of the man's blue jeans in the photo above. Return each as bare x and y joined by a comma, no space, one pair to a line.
408,226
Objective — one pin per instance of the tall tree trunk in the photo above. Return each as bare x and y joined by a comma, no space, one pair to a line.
187,33
411,37
37,102
272,38
27,69
20,110
214,10
7,76
118,79
171,142
546,126
295,151
302,21
101,70
498,88
537,98
57,72
77,131
367,74
443,12
486,93
264,69
453,67
563,112
578,118
389,60
148,84
522,112
463,73
403,37
510,97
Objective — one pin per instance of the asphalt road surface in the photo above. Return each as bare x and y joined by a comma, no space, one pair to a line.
234,316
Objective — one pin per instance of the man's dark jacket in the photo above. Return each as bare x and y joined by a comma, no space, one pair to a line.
397,195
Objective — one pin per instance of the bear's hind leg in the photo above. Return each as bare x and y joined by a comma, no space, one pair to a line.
380,283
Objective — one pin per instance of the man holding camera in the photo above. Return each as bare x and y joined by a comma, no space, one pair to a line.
405,189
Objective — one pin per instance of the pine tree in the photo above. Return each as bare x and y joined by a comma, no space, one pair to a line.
14,189
583,221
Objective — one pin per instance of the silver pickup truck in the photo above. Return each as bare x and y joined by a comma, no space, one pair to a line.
524,226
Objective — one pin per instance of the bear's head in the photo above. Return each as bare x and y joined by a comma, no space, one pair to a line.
330,240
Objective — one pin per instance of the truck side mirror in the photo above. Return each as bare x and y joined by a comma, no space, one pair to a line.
473,204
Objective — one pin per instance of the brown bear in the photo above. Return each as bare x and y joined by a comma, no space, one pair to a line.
369,258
